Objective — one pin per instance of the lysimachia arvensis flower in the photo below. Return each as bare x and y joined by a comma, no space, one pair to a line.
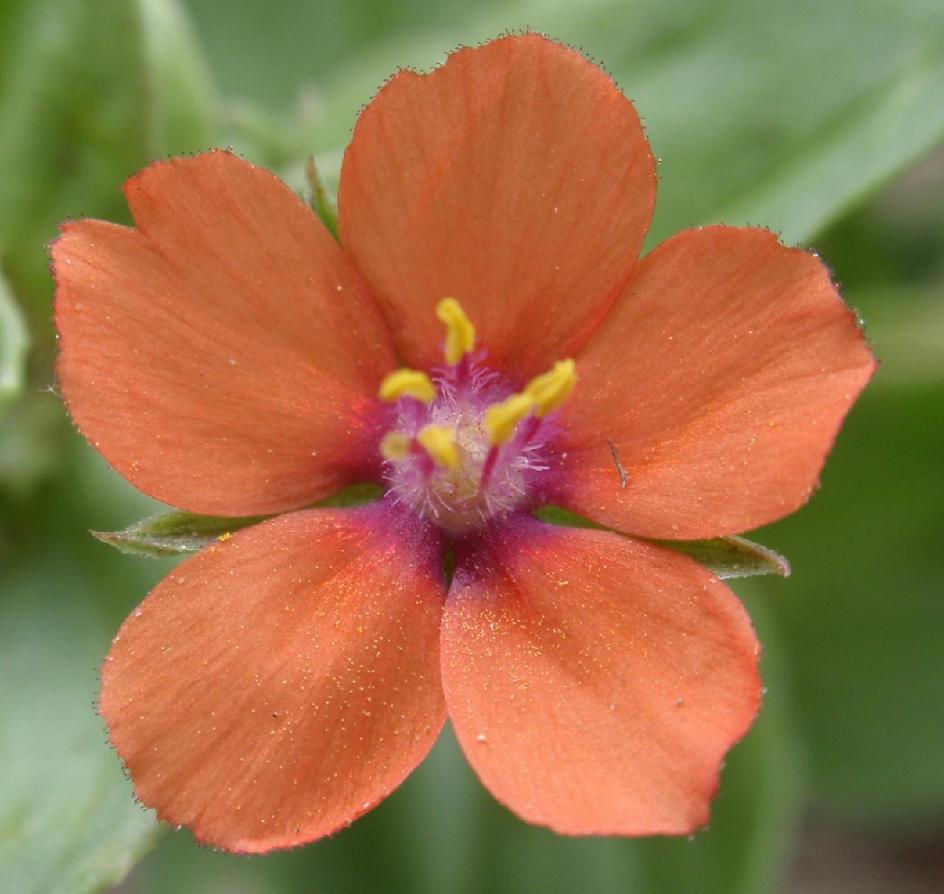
481,341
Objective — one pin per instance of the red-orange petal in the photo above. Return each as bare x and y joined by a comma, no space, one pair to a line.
517,179
223,354
719,382
277,686
595,682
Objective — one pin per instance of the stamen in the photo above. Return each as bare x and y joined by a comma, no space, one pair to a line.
407,383
460,331
439,441
551,389
454,453
396,446
500,420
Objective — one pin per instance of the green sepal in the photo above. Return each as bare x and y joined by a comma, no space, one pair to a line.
174,533
728,557
725,557
319,200
177,532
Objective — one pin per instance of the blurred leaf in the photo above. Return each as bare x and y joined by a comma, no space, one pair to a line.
866,614
261,51
13,344
68,822
773,114
90,91
907,324
866,142
30,438
180,108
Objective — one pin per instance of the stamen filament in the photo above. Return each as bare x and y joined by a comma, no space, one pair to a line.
488,467
498,457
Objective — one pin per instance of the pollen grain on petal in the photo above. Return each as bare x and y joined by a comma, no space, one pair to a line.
407,383
460,330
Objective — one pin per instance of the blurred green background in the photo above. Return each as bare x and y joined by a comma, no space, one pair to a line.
820,120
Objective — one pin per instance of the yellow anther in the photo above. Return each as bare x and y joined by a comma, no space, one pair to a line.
439,441
395,446
407,383
460,331
551,389
501,419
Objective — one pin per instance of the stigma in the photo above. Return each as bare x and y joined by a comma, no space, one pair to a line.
465,447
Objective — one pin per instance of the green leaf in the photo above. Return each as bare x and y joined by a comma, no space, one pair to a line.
13,344
725,557
177,532
68,821
860,149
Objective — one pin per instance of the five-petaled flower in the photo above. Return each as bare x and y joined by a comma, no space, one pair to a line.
228,356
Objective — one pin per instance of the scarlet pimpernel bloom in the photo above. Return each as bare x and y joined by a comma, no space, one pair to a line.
481,341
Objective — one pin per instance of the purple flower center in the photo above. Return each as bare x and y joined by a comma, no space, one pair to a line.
465,447
486,480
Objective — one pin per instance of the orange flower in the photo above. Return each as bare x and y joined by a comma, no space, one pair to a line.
226,356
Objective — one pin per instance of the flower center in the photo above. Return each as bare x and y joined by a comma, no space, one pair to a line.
464,447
